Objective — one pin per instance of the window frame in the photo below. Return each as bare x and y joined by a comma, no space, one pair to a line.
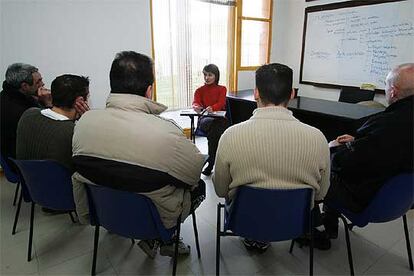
239,18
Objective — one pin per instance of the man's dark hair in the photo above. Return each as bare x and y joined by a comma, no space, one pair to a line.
212,68
274,82
131,73
66,88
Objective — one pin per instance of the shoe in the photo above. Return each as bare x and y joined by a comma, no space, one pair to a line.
320,240
256,245
51,212
150,247
331,225
168,249
207,171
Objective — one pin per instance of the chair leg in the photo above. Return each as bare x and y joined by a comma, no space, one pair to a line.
311,246
15,193
71,217
348,245
177,240
218,239
29,251
196,234
407,242
291,246
16,216
95,249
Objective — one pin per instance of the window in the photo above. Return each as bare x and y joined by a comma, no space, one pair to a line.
188,35
254,28
255,32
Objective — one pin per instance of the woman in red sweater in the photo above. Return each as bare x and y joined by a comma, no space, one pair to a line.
208,98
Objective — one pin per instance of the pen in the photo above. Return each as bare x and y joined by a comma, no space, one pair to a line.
204,111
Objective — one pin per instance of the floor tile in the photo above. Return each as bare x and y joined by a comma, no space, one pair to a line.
80,265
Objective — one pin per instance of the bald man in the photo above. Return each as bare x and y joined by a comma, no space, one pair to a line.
381,148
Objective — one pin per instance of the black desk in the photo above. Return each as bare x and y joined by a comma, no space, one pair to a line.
332,118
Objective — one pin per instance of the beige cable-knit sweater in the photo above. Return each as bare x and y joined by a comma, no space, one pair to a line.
272,150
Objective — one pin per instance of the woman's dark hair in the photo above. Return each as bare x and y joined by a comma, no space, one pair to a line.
66,88
212,68
131,73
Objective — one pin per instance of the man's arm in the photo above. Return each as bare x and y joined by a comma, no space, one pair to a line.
221,176
189,162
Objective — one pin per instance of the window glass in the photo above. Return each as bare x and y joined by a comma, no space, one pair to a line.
254,43
258,9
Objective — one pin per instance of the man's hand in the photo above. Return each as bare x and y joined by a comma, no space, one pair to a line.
333,143
340,140
209,109
345,138
44,96
81,106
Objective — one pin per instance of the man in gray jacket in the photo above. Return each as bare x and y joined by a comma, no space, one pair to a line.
127,146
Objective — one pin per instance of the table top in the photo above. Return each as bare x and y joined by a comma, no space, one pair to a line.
192,113
331,108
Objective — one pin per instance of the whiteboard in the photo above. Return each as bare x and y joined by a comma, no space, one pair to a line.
346,45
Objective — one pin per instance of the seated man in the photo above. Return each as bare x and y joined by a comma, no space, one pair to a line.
381,148
47,133
127,146
22,89
272,150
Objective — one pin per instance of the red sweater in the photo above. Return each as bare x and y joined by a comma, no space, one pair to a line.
211,95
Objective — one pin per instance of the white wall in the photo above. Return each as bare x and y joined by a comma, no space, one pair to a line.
82,37
245,80
287,31
73,36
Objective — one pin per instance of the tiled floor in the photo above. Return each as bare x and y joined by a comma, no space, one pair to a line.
64,248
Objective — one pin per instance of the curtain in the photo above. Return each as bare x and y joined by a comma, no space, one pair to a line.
188,34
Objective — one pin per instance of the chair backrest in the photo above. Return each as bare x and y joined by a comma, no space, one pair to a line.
392,201
126,213
270,215
240,110
48,182
8,171
355,95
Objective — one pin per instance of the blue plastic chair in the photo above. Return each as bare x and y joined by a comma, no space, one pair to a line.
11,176
267,215
392,201
49,185
130,215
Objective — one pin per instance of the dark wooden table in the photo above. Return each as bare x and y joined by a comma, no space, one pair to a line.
332,118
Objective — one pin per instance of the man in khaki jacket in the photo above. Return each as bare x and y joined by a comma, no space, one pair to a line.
128,146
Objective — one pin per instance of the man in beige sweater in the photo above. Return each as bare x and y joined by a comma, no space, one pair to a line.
273,149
